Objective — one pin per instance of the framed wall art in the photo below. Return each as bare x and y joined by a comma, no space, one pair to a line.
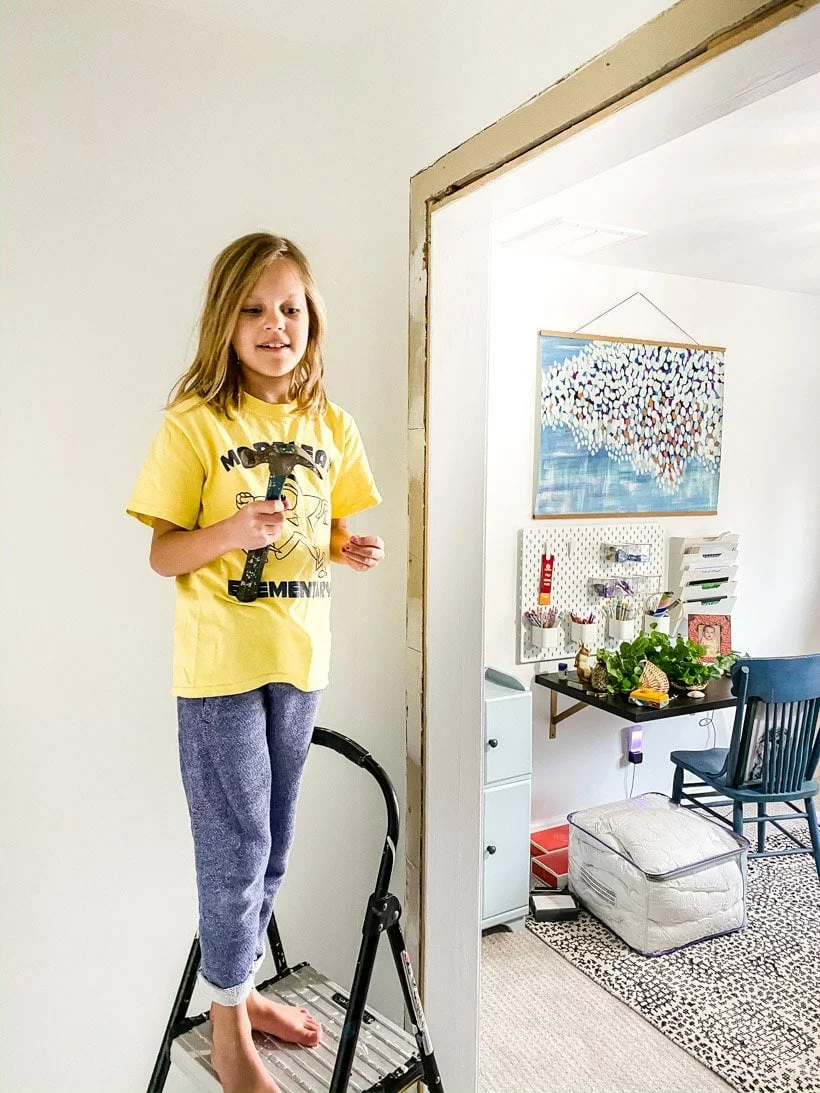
627,427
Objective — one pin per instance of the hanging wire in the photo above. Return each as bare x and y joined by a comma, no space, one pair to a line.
651,304
708,722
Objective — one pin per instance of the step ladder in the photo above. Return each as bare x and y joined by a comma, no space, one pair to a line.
361,1051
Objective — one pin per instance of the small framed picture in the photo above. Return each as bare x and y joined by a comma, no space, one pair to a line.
713,632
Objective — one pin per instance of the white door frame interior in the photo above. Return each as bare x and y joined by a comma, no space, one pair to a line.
443,821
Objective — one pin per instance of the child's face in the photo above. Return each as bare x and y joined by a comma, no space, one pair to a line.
709,633
271,333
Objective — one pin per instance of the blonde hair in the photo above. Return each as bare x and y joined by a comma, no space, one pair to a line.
215,375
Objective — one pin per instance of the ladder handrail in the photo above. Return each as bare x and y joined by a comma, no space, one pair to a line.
343,745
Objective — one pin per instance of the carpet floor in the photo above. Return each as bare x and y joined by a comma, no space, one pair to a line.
547,1028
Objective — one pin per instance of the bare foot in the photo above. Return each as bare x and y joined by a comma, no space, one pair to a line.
234,1056
294,1026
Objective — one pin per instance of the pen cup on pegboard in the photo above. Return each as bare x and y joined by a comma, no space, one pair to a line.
621,629
545,637
584,632
659,623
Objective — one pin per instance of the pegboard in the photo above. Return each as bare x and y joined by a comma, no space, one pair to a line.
580,556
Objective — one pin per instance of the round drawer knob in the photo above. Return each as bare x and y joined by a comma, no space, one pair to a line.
493,743
490,849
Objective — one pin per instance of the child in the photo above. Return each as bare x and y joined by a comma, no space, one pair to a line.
248,672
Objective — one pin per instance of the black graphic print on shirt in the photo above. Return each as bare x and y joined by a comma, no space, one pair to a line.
306,513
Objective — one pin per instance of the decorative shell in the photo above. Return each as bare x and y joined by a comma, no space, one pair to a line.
654,679
599,678
582,668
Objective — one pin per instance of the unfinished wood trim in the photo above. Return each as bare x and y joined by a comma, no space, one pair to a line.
675,42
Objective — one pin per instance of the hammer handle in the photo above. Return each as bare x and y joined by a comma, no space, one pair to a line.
255,562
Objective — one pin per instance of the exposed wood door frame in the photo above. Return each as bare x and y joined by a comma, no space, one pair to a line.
677,41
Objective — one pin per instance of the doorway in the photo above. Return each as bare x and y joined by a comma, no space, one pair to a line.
604,115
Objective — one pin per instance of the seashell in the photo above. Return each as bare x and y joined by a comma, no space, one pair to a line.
696,694
654,679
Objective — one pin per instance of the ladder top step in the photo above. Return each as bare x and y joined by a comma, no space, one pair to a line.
383,1048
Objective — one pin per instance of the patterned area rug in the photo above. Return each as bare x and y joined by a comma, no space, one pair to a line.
747,1005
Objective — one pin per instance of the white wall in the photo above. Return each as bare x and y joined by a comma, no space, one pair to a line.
768,491
136,143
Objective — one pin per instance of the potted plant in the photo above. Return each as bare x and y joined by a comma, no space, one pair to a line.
680,660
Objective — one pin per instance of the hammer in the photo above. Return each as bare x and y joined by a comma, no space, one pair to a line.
280,459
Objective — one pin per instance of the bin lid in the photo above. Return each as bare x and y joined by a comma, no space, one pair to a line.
656,835
498,684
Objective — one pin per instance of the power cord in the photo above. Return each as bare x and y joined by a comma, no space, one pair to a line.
632,783
708,722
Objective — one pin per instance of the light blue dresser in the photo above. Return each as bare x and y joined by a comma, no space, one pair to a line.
507,792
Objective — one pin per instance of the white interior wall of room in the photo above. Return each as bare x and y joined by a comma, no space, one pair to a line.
136,143
767,491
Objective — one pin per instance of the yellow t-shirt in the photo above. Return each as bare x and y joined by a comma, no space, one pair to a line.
193,477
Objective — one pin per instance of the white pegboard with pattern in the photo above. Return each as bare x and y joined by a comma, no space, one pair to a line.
579,552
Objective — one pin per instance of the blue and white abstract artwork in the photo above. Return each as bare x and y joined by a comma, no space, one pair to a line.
628,427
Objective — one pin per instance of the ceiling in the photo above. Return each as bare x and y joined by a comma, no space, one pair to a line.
322,23
735,200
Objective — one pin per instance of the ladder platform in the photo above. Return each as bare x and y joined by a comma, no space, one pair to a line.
387,1058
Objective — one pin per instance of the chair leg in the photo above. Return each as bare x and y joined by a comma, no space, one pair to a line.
737,817
761,828
677,785
813,831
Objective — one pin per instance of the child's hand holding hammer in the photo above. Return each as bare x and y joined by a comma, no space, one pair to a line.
257,524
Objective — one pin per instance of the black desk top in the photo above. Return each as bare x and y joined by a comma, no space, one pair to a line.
718,697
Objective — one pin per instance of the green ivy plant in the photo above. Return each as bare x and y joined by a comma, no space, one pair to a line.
679,659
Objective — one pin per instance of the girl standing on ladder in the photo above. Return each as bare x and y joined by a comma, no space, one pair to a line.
251,656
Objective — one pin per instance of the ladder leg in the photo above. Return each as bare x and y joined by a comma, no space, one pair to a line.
178,1012
276,947
429,1066
371,933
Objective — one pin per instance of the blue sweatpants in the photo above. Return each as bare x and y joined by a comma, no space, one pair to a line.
241,758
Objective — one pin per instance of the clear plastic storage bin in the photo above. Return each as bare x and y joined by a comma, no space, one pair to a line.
658,875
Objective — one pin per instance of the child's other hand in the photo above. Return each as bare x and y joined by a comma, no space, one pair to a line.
257,524
363,552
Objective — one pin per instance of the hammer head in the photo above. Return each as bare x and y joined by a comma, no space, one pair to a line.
280,457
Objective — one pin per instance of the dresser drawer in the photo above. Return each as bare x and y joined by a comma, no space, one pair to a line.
506,879
508,739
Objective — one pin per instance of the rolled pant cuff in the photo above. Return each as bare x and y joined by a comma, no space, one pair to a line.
229,996
233,996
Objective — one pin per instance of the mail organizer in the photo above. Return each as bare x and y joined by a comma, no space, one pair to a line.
703,572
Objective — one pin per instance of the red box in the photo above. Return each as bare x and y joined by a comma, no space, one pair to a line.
552,869
551,838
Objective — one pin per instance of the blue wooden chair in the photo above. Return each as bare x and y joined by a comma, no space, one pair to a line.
773,754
